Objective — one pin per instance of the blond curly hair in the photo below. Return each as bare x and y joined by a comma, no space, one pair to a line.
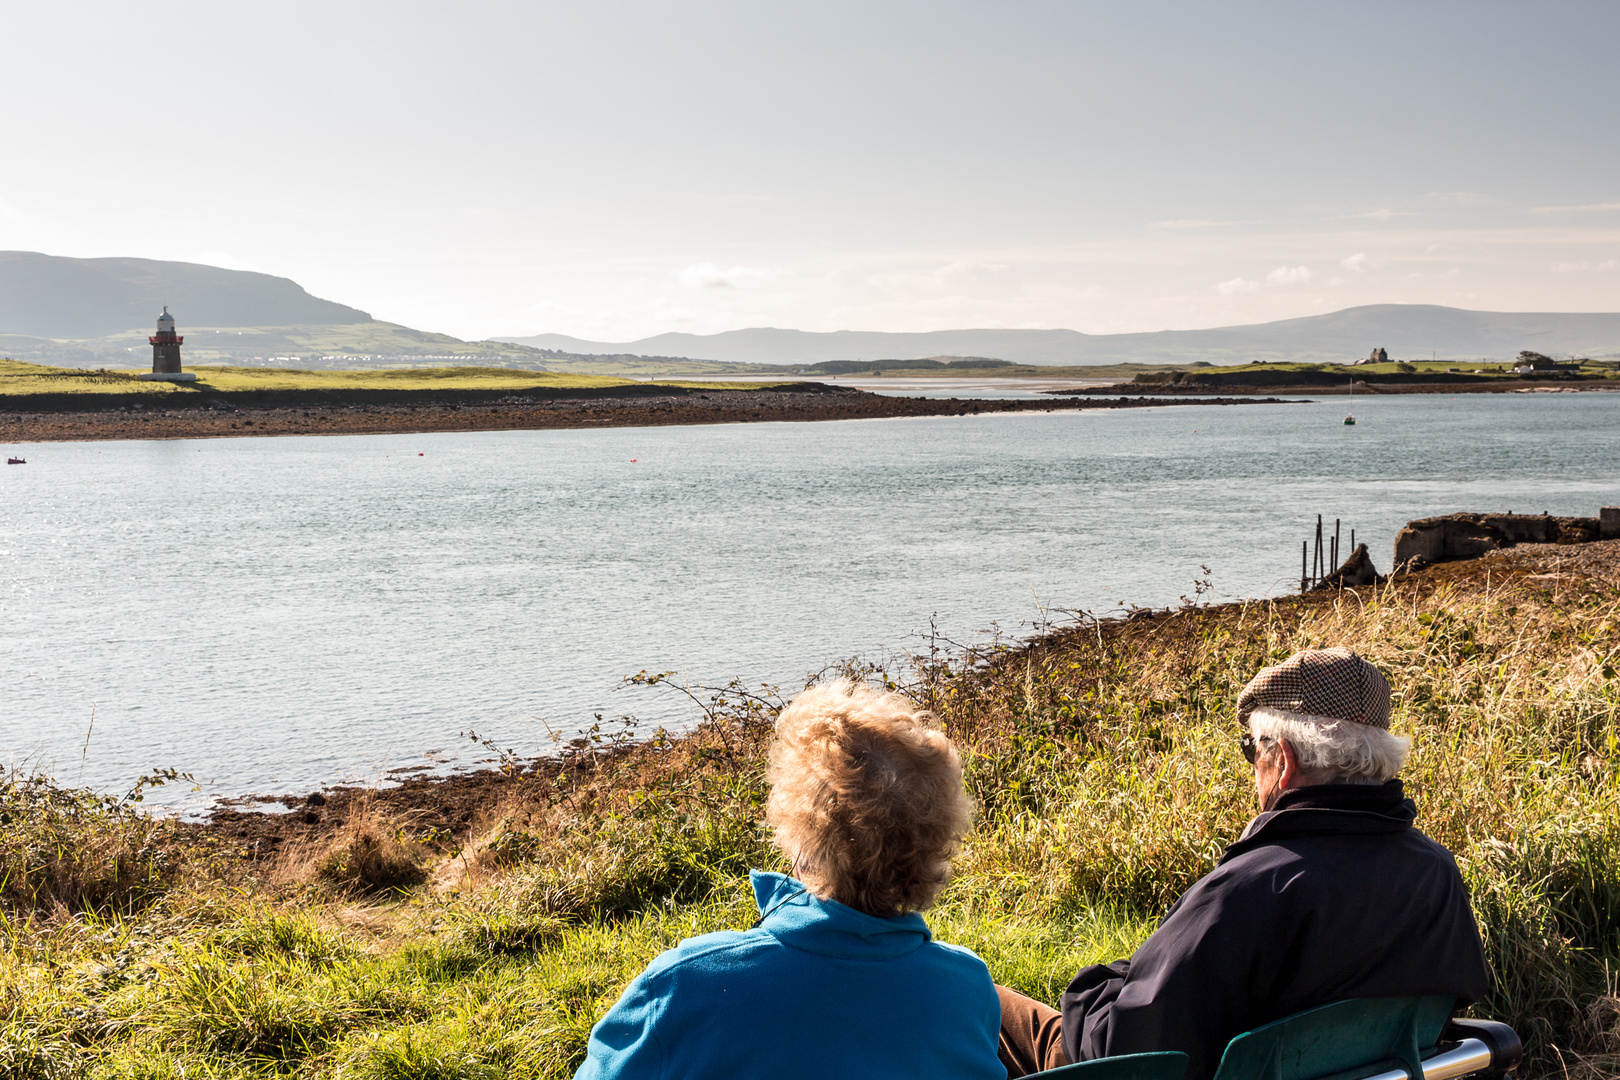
866,798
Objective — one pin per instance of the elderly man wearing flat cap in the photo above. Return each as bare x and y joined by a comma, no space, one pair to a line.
1330,893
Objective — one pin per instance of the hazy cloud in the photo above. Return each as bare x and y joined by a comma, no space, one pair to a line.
973,268
1283,275
1583,208
1194,223
1289,275
1357,262
1463,198
706,275
1577,267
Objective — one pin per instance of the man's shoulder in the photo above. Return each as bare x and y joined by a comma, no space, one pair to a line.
1299,862
1259,858
1430,846
1284,844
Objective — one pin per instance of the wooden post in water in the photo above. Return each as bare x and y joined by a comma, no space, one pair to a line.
1304,546
1335,546
1352,541
1316,560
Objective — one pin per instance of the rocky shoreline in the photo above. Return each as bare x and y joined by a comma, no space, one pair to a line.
680,405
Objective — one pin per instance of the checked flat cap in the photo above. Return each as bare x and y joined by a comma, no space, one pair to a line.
1320,682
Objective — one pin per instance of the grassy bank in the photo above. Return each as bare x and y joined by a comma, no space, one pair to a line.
1104,757
20,380
33,388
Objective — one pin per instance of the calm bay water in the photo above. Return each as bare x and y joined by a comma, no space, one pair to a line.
274,615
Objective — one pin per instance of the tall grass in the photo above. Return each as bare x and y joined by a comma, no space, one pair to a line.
1106,764
1110,770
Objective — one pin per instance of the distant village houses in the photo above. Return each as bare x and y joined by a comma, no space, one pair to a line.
1533,363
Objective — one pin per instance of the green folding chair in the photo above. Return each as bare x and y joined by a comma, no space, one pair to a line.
1165,1065
1410,1038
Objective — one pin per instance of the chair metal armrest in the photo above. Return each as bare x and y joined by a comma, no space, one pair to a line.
1468,1048
1502,1041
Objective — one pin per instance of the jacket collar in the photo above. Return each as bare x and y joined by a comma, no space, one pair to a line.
1330,810
794,916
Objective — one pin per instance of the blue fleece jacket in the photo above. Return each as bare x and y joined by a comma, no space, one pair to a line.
818,990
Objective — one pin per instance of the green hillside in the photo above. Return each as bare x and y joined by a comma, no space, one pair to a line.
49,296
349,345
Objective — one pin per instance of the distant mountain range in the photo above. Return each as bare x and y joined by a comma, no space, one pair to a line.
1407,331
97,312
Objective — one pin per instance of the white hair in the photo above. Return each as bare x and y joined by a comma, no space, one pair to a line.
1331,750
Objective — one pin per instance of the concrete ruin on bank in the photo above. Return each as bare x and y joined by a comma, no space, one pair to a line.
1468,536
1453,537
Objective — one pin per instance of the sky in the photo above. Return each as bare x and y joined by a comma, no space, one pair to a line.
617,169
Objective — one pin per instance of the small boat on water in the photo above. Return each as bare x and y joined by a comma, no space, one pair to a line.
16,461
1349,419
1350,416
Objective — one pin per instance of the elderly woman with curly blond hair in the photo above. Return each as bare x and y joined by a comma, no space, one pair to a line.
839,976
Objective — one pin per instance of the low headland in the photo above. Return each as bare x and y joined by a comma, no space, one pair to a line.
1532,373
477,925
40,404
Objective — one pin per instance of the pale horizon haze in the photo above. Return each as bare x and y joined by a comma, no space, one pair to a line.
621,169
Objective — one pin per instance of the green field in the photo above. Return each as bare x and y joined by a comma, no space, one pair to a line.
1391,367
1127,372
1146,372
1388,374
1016,371
22,380
1364,371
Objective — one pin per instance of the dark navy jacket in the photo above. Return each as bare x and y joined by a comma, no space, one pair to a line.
1332,894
